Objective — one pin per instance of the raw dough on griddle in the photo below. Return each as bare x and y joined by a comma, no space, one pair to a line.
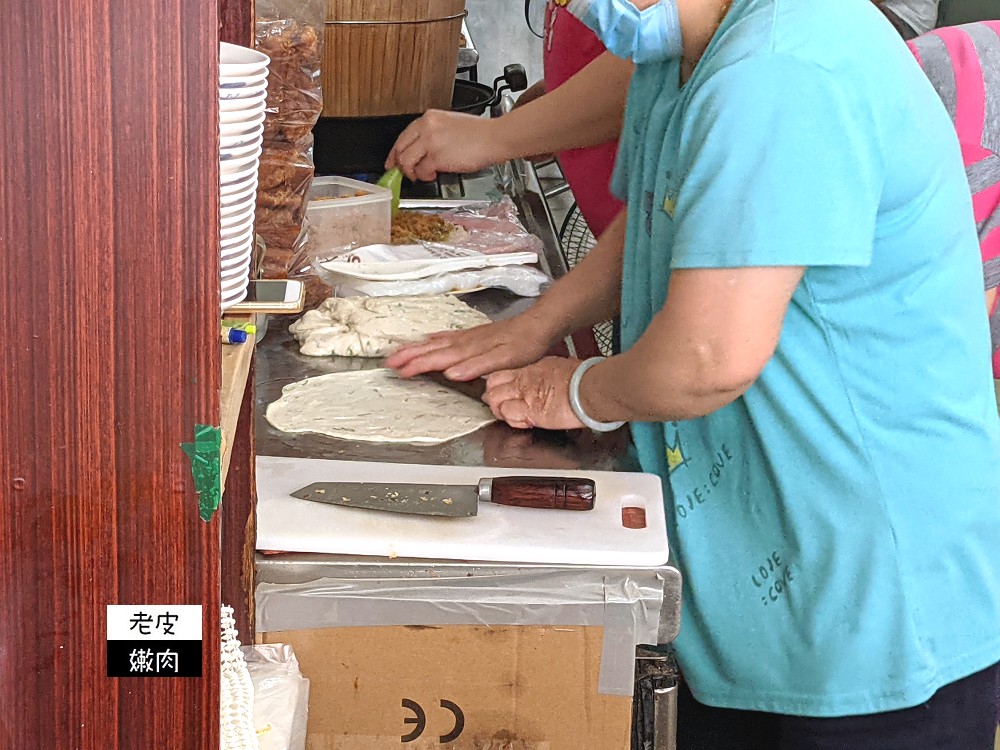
376,326
378,407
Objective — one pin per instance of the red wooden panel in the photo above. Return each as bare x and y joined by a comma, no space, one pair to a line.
236,18
108,358
239,521
239,516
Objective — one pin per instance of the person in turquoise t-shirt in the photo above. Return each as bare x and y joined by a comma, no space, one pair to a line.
806,365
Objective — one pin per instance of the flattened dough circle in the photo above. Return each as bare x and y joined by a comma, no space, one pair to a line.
378,407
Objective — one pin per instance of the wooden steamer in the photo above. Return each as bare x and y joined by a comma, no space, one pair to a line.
390,57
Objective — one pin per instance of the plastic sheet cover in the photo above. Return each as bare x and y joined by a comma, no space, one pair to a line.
627,608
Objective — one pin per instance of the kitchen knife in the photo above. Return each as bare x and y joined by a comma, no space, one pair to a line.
456,500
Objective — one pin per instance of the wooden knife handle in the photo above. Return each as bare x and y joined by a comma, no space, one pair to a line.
546,493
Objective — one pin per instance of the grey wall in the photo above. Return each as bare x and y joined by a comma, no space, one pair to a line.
965,11
500,34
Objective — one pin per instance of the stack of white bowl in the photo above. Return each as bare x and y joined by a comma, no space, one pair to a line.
242,95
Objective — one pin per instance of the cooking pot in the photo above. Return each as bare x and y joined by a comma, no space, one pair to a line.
352,145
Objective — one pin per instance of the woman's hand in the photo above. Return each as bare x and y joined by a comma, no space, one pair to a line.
534,396
469,354
444,142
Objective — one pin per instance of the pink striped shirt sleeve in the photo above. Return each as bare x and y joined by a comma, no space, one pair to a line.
963,64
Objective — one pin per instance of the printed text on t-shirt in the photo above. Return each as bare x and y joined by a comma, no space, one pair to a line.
772,578
700,493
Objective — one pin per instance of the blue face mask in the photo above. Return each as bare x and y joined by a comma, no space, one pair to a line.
647,36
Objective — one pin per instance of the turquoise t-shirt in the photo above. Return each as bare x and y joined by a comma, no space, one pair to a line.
838,527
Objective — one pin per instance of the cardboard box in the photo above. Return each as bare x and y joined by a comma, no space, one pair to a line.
458,687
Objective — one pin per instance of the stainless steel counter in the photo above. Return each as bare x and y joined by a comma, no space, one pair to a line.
279,364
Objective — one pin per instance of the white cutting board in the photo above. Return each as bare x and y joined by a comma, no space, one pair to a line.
497,534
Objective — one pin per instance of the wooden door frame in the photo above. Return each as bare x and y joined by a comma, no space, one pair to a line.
109,358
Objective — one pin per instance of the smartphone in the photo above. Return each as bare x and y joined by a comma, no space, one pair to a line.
272,296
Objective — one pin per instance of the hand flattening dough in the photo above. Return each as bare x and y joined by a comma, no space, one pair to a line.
376,326
376,406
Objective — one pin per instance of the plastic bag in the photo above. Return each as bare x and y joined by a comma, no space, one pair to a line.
304,265
290,32
523,281
490,227
281,697
236,729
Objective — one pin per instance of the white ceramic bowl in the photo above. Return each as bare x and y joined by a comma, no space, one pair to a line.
238,175
232,299
234,154
237,215
227,213
243,92
236,280
233,188
237,166
230,83
238,269
229,202
233,294
238,82
241,104
241,140
231,244
229,264
231,129
233,239
233,216
233,291
245,196
235,60
236,230
236,299
237,253
248,117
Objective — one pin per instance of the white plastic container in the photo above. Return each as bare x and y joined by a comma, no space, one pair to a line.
345,213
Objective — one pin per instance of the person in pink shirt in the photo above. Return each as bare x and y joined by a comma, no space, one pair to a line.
576,112
569,47
963,65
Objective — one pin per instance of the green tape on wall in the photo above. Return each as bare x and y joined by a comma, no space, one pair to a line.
206,468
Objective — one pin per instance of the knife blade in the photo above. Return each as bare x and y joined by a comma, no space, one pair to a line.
456,501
